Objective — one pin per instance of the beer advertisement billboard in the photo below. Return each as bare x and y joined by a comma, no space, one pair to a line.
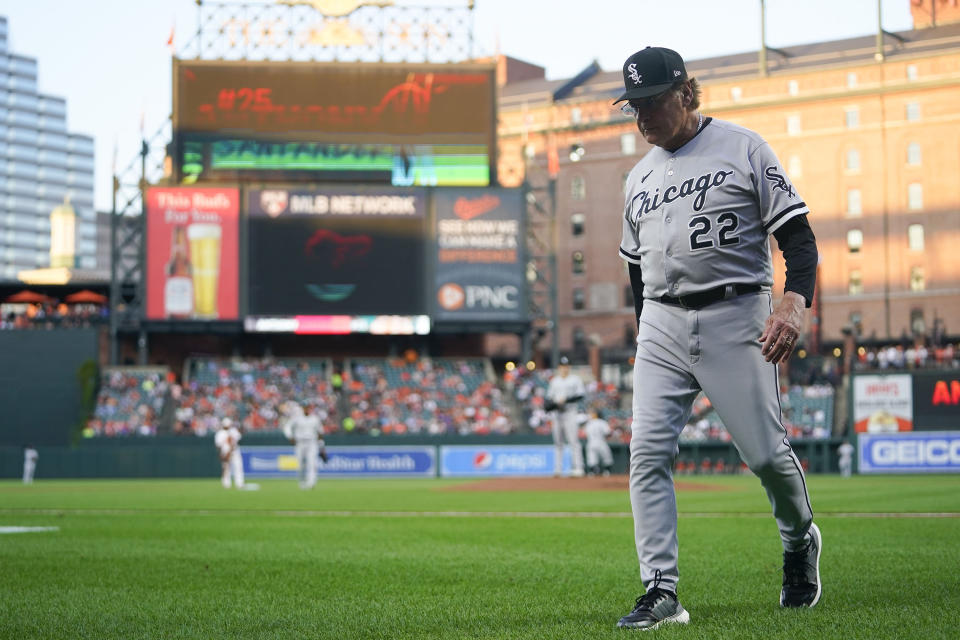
192,253
336,251
479,256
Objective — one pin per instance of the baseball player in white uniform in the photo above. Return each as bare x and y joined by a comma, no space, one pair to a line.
303,428
563,393
699,209
227,441
845,451
598,451
30,456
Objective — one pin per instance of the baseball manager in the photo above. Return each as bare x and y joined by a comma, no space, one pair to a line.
700,207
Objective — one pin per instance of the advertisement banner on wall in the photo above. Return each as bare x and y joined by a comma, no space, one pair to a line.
192,253
917,452
344,462
936,400
479,259
500,460
882,404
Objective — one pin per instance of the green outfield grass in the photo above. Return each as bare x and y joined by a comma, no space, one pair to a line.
170,559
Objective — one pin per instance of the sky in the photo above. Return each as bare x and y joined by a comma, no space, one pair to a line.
110,60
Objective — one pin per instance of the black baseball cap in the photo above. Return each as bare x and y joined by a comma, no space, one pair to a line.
651,71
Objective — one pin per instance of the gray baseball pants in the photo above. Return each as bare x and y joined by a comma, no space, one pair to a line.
715,349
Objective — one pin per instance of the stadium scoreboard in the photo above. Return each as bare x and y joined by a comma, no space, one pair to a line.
386,123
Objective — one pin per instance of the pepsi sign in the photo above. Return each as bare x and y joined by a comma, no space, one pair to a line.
500,460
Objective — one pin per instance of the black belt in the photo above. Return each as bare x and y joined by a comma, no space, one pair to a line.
703,298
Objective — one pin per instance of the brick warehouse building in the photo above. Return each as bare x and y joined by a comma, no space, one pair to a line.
869,136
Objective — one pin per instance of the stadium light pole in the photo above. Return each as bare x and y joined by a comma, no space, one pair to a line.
552,265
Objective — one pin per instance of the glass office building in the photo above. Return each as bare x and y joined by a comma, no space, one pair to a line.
41,163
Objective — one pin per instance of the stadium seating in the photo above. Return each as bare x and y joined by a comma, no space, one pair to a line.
252,392
425,396
130,402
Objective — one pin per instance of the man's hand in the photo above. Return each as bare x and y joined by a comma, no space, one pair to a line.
782,328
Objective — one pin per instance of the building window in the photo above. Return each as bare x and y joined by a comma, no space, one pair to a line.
856,321
578,188
578,299
912,72
628,144
736,94
914,154
853,161
793,87
917,281
577,221
917,324
854,204
915,196
855,285
793,125
578,262
915,237
576,116
852,117
913,111
795,166
851,80
854,240
579,339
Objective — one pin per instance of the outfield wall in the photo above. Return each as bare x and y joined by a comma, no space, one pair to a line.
40,384
452,457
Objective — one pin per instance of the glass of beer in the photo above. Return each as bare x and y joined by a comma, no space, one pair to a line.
205,256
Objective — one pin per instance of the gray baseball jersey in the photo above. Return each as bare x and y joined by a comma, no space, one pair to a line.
691,219
697,219
563,387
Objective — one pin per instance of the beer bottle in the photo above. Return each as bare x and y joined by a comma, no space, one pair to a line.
178,291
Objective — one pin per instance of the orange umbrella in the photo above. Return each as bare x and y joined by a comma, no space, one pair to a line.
85,297
27,297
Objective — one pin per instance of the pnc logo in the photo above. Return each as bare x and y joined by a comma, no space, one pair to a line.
467,209
451,296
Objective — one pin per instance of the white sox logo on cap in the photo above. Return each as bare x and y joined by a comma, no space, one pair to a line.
636,77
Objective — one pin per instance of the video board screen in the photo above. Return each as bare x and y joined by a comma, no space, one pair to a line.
397,124
192,253
336,251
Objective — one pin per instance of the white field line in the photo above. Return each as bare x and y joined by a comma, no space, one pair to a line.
445,514
26,529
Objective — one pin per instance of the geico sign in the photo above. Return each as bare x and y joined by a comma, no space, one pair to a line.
935,451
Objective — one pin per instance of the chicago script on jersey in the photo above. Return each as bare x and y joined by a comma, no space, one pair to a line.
687,188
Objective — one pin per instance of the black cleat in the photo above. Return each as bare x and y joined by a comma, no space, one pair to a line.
656,607
801,573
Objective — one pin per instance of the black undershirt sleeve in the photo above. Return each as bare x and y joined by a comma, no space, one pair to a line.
799,246
636,283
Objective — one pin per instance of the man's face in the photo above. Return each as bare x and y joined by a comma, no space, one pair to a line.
660,118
